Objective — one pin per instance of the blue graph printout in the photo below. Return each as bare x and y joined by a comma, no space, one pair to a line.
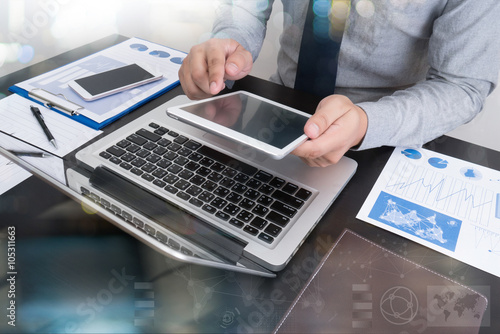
444,203
415,219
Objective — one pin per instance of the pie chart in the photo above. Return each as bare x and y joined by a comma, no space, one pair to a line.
438,163
159,54
411,153
177,60
139,47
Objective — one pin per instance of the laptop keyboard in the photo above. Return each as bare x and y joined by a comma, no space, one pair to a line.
257,202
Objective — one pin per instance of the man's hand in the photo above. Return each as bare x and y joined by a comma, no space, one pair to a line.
209,64
336,126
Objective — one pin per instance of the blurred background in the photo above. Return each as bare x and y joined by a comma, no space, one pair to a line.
34,30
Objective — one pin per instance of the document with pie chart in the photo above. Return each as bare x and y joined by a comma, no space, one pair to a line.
444,203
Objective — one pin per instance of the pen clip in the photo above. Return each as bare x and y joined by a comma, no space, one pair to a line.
56,101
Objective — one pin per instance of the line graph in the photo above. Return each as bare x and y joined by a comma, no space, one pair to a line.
432,188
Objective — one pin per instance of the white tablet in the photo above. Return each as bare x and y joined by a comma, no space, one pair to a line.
113,81
249,119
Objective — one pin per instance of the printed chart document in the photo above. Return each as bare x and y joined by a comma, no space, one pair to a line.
444,203
52,87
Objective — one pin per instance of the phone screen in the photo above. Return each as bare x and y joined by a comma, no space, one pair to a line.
106,81
255,118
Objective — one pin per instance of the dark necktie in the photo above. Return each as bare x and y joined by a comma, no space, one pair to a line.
320,46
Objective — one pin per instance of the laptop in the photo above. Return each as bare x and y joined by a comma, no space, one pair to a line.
201,198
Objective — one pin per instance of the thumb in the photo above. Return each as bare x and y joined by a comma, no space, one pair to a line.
238,63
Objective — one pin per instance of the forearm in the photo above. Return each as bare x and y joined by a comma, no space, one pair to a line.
416,115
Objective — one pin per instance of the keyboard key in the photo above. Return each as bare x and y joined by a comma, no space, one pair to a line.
185,174
252,194
253,183
148,167
182,184
290,188
171,189
236,222
266,189
159,173
160,150
244,216
258,222
147,177
174,147
221,191
277,218
174,169
137,139
203,171
125,165
194,190
239,188
154,125
159,183
116,151
277,182
263,176
218,167
181,139
222,215
195,202
138,162
171,178
136,171
251,230
241,178
232,209
260,210
123,143
234,197
115,160
265,200
193,145
206,196
105,155
148,134
143,153
209,208
163,163
197,180
218,202
184,151
266,238
183,195
284,209
247,204
287,199
303,194
133,148
164,142
150,146
128,157
273,230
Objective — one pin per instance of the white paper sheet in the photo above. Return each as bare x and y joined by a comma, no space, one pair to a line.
444,203
17,120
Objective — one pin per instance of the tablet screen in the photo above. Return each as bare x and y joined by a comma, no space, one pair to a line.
258,119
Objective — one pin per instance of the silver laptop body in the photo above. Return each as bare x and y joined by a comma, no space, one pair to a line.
259,239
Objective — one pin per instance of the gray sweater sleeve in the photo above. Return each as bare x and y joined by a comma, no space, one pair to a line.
244,21
464,56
